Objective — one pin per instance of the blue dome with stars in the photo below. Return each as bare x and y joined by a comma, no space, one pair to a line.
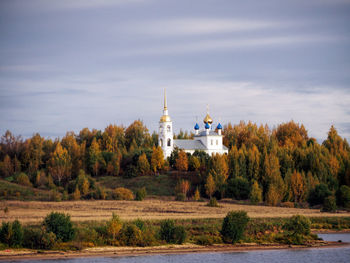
196,127
219,127
207,126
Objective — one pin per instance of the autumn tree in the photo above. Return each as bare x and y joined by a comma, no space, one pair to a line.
34,153
113,138
181,163
157,159
143,164
94,157
219,171
137,132
70,143
210,186
60,164
114,226
183,186
255,193
298,187
6,167
233,162
194,163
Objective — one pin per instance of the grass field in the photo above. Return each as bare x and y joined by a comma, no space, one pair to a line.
34,211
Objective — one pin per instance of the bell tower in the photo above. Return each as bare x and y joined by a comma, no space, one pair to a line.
165,135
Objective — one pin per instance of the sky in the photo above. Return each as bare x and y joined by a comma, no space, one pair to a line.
66,65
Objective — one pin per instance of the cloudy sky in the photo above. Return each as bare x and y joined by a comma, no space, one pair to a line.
66,65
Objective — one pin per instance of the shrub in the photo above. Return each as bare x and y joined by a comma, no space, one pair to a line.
38,239
298,224
233,226
122,193
255,194
329,204
17,230
238,188
318,195
140,194
131,235
61,225
23,179
76,195
343,196
171,233
213,202
197,195
114,226
180,197
140,224
204,240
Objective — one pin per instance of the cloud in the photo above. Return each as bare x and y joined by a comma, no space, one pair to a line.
229,43
198,26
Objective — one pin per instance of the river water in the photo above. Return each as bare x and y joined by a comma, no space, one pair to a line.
312,255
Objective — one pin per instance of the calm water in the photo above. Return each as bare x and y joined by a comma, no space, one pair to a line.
333,255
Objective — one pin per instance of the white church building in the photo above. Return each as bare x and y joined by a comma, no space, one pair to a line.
206,140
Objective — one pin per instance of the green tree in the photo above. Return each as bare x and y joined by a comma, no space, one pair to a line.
343,196
233,226
59,224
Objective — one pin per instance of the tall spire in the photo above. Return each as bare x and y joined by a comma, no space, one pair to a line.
165,104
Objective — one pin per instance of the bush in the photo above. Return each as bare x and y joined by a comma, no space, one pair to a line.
329,204
213,202
255,194
59,224
171,233
318,195
238,188
204,240
23,179
114,226
298,224
343,196
38,239
140,194
180,197
122,193
11,234
233,226
131,235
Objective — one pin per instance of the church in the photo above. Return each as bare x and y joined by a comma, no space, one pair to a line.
206,140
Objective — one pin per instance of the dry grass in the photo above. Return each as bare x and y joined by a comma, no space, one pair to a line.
35,211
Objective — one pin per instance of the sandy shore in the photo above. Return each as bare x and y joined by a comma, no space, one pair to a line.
13,254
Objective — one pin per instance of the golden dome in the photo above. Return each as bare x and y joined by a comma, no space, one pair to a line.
208,119
165,118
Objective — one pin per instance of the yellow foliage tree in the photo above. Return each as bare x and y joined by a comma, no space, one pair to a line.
157,159
114,226
143,164
181,162
183,186
210,185
298,187
60,164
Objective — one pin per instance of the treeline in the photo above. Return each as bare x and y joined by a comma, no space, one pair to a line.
279,166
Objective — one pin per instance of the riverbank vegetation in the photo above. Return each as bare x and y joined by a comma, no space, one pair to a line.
58,232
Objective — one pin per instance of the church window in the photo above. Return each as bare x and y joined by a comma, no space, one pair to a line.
168,128
217,142
169,142
161,142
211,142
